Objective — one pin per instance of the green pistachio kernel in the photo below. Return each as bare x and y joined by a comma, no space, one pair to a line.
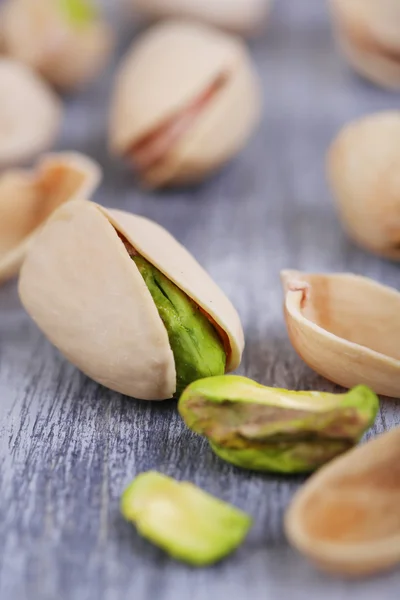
189,524
197,348
270,429
79,12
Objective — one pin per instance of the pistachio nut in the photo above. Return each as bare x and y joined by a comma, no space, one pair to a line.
368,34
186,100
241,16
346,517
64,40
27,199
346,328
363,169
270,429
126,303
189,524
25,133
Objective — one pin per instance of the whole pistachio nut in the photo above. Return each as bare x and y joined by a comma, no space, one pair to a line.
30,114
65,40
363,167
245,17
186,100
189,524
126,303
270,429
28,197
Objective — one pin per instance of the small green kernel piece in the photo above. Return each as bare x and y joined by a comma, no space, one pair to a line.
189,524
79,12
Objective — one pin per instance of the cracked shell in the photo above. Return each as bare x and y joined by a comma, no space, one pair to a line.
346,517
345,327
363,169
25,133
245,17
28,197
66,41
82,288
186,100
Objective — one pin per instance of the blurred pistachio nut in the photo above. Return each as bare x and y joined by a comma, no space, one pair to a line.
65,40
363,167
28,197
189,524
30,114
126,303
270,429
244,17
186,100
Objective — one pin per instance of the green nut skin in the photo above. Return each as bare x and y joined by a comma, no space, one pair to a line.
189,524
79,12
270,429
197,348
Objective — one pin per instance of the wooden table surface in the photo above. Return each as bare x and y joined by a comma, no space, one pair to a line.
68,446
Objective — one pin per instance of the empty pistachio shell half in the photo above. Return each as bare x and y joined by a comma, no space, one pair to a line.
363,169
242,16
346,328
189,524
27,199
30,114
346,517
186,100
368,34
126,303
65,40
269,429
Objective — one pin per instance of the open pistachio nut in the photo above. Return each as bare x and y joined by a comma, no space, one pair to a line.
30,114
186,100
241,16
346,328
127,304
363,168
368,34
27,199
64,40
269,429
346,517
182,519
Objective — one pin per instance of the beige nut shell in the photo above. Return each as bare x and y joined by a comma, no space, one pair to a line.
368,33
38,33
86,294
171,66
346,517
241,16
363,166
30,114
27,198
346,328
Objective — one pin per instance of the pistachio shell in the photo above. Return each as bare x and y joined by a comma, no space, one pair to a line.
102,317
44,34
368,33
363,169
189,90
242,16
27,198
346,328
346,517
25,133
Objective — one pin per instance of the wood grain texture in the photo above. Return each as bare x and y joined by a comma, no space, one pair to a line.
68,446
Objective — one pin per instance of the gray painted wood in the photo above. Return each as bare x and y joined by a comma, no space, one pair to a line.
68,446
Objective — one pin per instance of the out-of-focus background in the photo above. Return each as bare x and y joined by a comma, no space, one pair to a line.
68,446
